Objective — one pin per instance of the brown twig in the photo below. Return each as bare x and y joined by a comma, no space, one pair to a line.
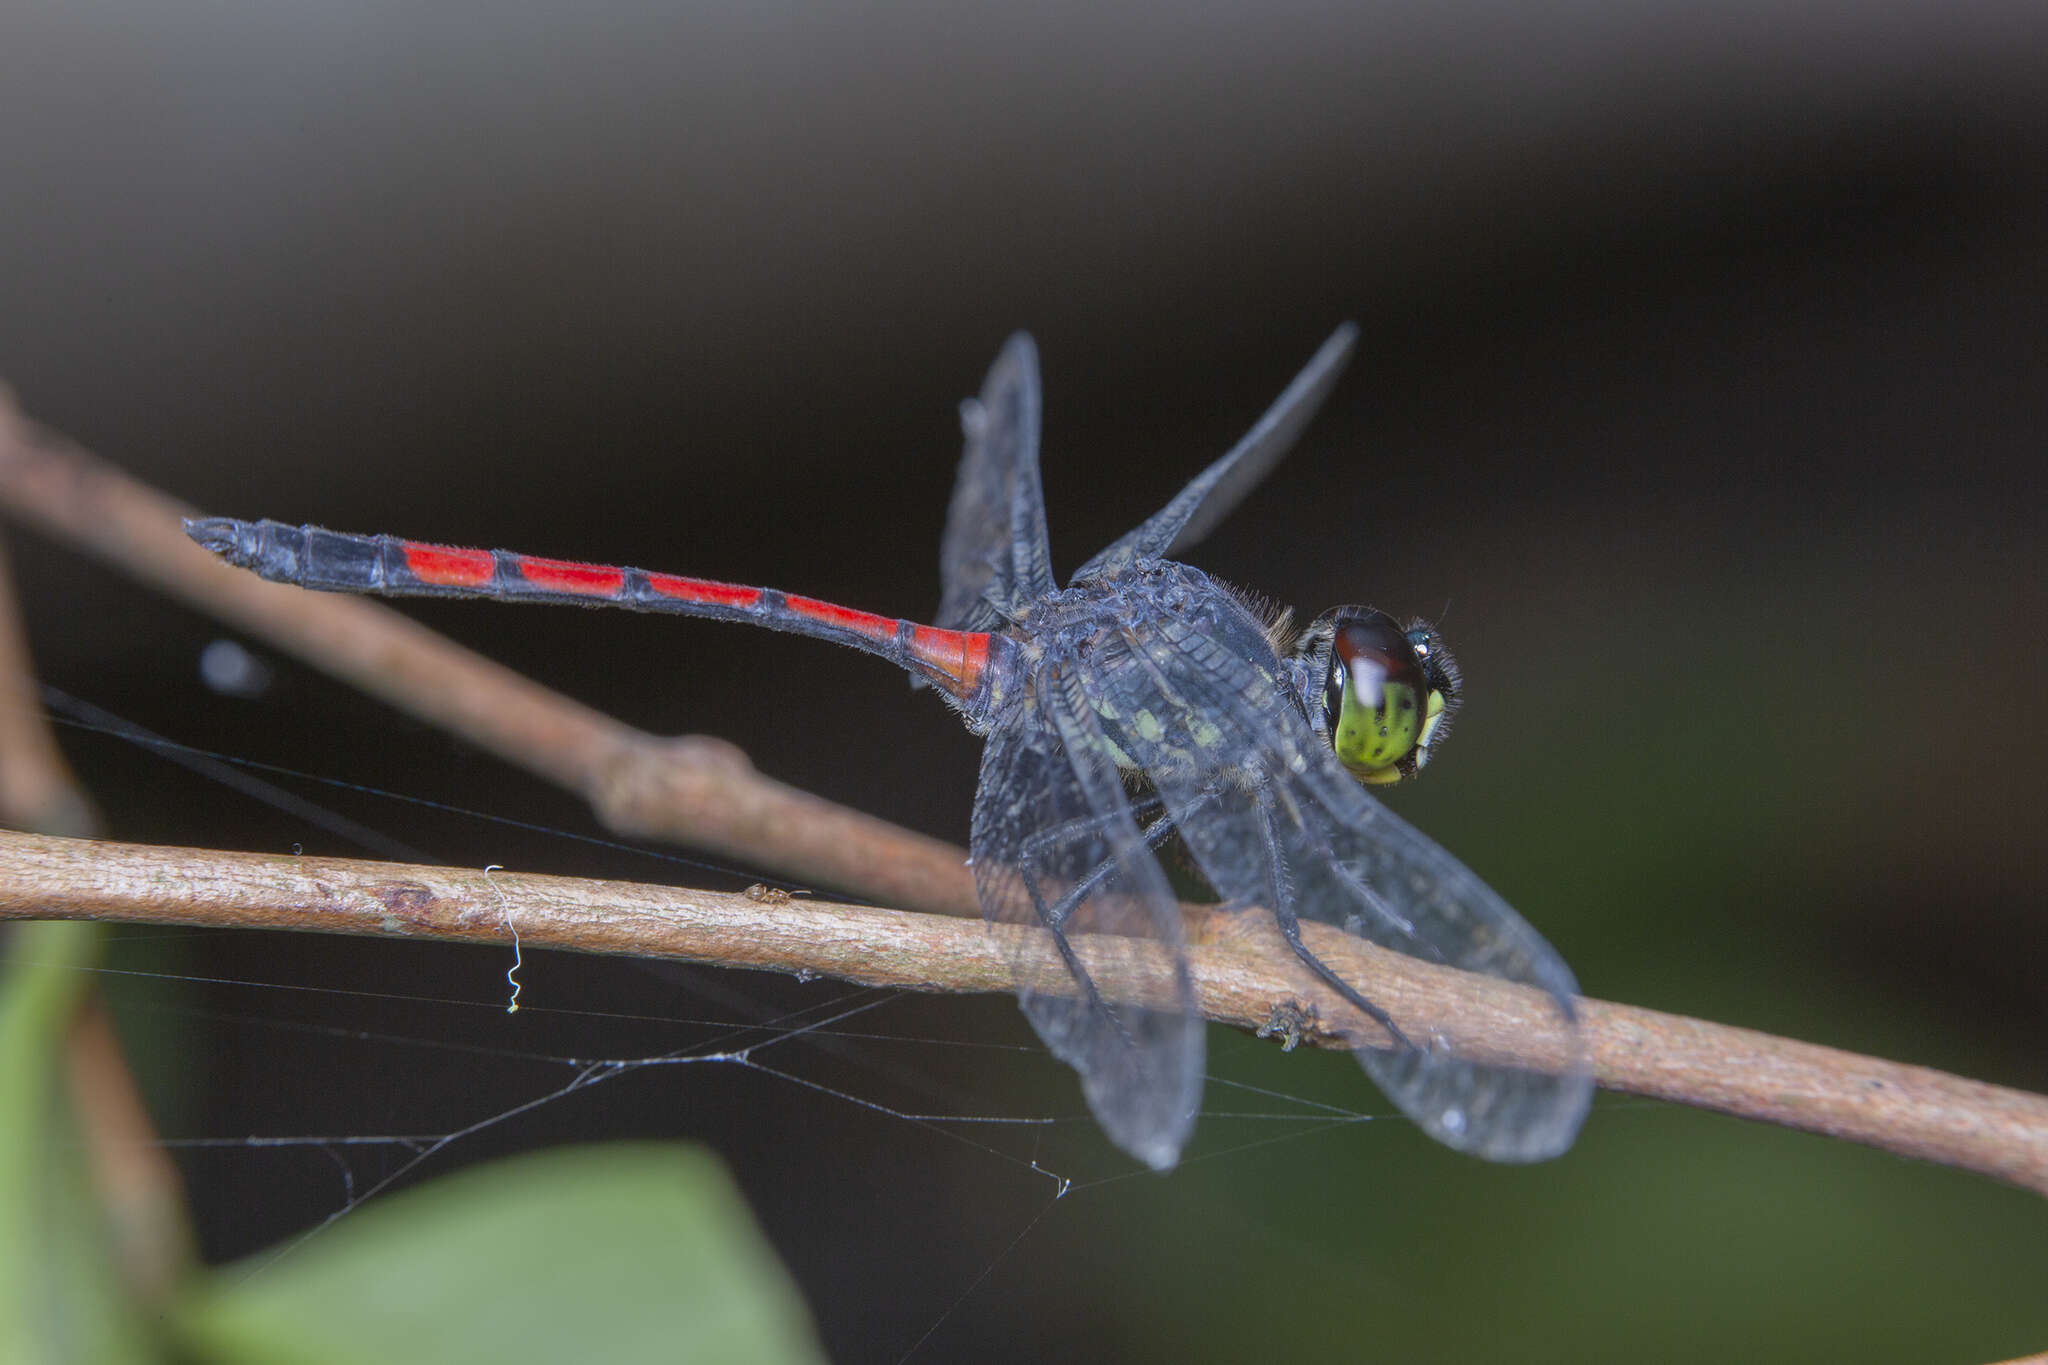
704,792
37,788
691,789
1239,978
138,1185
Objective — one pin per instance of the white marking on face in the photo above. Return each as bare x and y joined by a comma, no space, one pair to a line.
1368,683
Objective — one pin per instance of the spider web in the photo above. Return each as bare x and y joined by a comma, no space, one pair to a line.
916,1160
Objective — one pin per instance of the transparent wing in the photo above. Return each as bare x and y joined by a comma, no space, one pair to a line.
1100,969
1215,493
1281,826
994,550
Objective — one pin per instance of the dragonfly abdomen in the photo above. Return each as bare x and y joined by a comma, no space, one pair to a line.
391,566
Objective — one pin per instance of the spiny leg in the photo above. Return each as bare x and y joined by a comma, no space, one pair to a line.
1029,853
1290,930
1054,917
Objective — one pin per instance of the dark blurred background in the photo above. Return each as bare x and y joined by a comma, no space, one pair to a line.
1701,392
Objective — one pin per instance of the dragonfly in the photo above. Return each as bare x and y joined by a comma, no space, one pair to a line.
1142,705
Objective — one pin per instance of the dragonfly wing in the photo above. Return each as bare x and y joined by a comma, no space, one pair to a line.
1283,827
1215,493
1059,855
994,552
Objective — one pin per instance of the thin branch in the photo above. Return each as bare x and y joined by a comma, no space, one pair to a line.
140,1190
37,788
691,789
704,792
1239,978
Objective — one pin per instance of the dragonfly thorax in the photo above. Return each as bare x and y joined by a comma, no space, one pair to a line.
1152,628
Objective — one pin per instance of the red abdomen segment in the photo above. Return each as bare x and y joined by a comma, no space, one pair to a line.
331,561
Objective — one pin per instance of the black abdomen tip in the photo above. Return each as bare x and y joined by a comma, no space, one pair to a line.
221,535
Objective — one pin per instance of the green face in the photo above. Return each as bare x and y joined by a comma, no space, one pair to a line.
1385,695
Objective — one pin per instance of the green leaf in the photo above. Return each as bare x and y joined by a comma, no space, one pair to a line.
61,1298
619,1253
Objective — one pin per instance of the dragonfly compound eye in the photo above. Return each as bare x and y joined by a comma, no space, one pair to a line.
1385,694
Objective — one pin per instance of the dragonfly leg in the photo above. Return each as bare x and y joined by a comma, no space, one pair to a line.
1290,930
1158,826
1054,916
1051,916
1154,833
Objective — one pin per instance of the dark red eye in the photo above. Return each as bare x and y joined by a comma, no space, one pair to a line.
1370,653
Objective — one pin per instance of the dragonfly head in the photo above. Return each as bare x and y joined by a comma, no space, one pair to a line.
1380,693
